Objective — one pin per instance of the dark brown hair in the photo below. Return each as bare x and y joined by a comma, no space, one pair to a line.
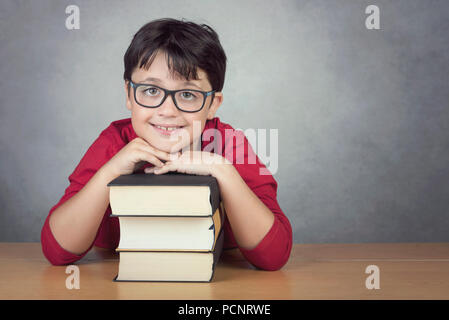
188,46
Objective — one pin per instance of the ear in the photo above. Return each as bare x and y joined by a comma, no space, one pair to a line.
128,92
218,99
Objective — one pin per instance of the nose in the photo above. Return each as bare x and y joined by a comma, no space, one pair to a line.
168,108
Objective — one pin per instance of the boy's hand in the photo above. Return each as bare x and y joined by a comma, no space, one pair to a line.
134,155
192,162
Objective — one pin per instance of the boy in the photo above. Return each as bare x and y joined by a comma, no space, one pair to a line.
174,74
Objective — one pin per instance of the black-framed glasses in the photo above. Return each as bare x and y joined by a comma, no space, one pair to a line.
187,100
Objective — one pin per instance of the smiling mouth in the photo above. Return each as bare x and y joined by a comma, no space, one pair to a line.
166,129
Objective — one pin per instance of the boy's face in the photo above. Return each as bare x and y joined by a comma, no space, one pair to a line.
144,119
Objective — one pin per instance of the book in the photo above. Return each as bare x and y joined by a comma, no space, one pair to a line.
170,226
170,194
170,266
150,233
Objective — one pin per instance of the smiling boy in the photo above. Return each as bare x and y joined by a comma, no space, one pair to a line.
174,75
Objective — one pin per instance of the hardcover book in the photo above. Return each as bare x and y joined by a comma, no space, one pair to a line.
172,266
170,194
170,226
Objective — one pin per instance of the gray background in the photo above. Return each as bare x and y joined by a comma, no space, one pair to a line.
362,114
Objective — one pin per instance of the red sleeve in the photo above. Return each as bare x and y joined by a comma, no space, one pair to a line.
98,154
274,249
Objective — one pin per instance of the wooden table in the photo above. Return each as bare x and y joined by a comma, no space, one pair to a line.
314,271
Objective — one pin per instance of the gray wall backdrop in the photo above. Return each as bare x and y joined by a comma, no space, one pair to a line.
363,115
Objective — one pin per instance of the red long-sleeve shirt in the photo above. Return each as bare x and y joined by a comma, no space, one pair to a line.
270,254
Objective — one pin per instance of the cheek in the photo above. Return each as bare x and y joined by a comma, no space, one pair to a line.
196,125
139,119
141,115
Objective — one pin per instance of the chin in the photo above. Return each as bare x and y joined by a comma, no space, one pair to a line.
168,147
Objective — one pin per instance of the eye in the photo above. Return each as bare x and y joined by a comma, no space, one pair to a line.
151,91
187,95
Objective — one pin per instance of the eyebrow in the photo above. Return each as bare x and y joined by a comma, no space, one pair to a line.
185,82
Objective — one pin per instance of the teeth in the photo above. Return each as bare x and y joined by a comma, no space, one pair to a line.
166,128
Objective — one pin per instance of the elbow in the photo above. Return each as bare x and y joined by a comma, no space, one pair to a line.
277,266
56,255
52,257
273,265
57,260
278,261
273,257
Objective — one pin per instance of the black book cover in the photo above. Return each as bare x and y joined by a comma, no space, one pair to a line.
171,179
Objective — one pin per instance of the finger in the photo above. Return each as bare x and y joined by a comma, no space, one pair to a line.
156,152
166,168
175,155
161,171
150,170
150,158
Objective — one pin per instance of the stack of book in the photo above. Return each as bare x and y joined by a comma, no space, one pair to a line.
170,226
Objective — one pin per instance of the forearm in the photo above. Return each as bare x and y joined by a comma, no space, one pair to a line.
75,223
248,216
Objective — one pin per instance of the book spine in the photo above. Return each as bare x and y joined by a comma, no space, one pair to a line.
221,216
217,252
215,198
